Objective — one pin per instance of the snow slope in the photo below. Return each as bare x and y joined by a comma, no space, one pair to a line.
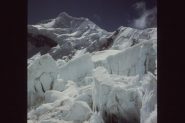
91,75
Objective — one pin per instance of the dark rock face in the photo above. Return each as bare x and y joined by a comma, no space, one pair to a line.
39,43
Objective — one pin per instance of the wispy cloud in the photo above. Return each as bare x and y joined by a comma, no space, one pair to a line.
140,6
147,18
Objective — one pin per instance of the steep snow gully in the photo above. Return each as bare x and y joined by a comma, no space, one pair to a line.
80,73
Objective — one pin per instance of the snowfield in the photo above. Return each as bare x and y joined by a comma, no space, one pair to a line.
91,75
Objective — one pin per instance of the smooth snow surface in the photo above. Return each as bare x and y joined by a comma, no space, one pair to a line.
92,76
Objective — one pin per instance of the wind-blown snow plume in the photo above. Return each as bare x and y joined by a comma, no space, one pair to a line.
147,18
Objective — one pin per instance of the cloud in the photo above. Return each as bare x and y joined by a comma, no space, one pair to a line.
141,6
147,18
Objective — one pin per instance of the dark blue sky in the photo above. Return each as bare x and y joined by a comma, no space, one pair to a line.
108,14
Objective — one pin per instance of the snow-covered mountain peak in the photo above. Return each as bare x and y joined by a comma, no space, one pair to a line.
64,20
66,15
80,73
70,33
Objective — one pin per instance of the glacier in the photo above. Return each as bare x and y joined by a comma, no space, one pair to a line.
80,73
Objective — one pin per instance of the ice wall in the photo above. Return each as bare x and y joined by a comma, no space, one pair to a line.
76,69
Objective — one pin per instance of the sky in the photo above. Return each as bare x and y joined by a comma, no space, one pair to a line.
107,14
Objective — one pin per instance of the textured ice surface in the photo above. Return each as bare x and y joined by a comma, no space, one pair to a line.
131,61
42,73
116,97
76,69
92,76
